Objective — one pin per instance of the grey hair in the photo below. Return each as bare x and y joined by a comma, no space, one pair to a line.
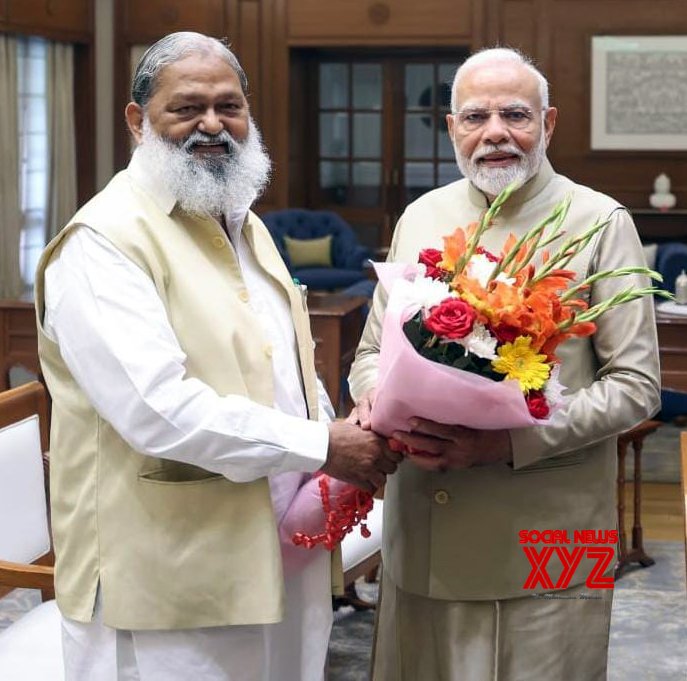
495,55
172,48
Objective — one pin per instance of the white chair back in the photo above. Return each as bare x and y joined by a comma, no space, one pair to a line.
356,549
24,533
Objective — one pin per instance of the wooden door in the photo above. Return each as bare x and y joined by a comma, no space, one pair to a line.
377,134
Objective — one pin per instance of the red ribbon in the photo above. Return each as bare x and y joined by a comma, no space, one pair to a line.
351,509
396,446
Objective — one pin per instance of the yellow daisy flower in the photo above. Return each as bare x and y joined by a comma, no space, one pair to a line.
520,362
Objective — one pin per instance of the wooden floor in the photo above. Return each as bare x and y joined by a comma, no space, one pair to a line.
662,511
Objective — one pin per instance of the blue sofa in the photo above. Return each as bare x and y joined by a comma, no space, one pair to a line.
348,255
671,259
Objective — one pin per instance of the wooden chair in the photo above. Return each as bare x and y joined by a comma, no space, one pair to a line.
30,648
683,449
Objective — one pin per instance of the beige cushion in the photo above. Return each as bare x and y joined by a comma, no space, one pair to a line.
309,252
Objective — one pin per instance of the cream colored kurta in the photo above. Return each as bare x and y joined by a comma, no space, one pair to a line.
196,596
462,544
296,647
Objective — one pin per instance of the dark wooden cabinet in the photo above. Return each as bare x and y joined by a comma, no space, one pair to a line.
337,324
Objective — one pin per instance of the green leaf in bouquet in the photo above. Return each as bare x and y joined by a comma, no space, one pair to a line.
461,362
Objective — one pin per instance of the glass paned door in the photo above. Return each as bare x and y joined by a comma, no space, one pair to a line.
428,157
382,137
350,133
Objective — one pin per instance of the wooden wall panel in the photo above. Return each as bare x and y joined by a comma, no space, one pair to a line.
69,20
519,24
378,22
563,30
248,48
556,33
147,21
275,98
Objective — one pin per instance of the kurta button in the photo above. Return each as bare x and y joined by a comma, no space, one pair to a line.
441,496
243,295
219,241
268,350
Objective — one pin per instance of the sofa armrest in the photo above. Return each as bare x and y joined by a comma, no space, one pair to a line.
356,258
671,259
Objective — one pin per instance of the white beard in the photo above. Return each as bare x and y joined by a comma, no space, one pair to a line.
492,181
212,185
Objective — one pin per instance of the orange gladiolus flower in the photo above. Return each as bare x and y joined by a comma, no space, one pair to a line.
454,248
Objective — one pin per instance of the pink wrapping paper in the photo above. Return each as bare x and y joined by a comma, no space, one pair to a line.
306,514
410,385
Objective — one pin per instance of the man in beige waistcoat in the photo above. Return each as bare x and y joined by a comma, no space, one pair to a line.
186,409
460,599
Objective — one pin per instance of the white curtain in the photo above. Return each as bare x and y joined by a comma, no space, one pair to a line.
61,137
11,285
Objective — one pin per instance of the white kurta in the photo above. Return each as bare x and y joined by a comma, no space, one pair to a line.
113,334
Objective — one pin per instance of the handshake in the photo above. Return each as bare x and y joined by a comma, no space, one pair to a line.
356,454
359,456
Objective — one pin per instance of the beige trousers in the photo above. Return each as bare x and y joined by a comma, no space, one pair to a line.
553,637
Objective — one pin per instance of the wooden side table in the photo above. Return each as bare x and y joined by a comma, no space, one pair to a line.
672,345
337,324
636,553
18,339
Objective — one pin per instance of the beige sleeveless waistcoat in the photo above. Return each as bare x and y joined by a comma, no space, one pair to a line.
170,544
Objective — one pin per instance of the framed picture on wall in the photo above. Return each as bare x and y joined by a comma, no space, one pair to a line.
639,93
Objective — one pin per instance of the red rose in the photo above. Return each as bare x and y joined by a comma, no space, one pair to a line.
452,318
536,403
430,258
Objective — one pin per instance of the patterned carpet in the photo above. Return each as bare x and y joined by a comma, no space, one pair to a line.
648,625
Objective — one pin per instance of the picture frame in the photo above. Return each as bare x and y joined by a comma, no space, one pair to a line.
639,93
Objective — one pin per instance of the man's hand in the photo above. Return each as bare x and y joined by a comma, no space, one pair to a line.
359,456
455,446
361,412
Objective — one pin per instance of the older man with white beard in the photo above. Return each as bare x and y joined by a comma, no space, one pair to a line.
186,409
453,604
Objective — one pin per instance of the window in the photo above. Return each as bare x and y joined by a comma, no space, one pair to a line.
33,151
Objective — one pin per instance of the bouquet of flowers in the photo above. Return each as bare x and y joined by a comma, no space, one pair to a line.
480,327
483,327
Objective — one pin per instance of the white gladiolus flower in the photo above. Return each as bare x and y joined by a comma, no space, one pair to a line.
480,268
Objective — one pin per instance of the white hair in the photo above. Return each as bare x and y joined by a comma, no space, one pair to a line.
172,48
494,55
212,185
